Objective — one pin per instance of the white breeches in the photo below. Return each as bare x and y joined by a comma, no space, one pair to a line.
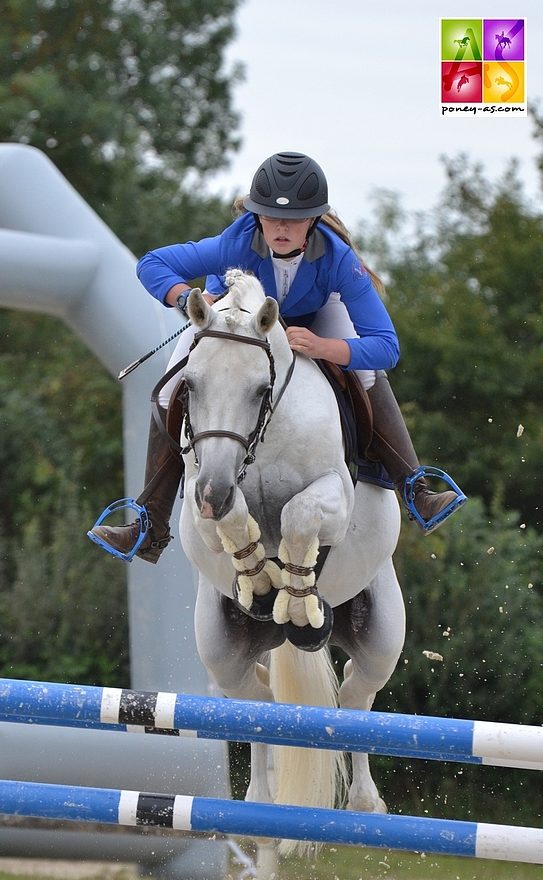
180,351
331,322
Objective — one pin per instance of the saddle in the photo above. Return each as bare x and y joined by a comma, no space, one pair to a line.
357,425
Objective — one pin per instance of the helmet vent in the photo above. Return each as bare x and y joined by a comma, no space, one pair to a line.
309,187
292,159
262,184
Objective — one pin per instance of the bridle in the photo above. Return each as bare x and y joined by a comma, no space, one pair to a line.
267,406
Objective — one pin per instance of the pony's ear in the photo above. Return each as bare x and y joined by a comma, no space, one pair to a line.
198,310
266,316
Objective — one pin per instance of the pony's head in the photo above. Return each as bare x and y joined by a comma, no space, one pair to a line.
229,377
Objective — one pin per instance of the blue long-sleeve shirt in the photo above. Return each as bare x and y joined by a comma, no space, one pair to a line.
329,265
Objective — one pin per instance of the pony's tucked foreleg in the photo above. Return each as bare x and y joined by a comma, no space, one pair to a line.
317,515
298,581
255,573
240,537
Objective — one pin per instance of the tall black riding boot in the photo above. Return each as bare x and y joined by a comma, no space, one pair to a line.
392,445
163,472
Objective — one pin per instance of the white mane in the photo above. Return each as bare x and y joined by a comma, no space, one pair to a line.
244,292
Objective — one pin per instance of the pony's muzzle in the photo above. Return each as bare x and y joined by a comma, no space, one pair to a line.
214,499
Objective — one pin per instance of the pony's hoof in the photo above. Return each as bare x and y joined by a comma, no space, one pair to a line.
262,606
372,803
307,638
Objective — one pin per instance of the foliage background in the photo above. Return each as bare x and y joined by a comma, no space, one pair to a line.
133,103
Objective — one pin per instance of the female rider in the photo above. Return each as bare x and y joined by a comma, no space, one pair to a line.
303,256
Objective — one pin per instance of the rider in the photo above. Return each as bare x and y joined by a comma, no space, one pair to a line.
288,237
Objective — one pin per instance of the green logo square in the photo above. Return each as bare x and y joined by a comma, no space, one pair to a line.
461,39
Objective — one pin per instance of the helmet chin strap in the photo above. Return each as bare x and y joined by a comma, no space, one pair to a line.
295,253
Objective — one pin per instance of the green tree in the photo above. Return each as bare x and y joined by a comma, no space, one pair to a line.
133,103
64,617
474,600
464,286
56,619
116,89
475,596
465,290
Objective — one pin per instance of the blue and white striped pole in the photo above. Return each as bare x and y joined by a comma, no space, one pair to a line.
196,814
412,736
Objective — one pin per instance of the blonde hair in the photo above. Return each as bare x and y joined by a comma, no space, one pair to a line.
333,222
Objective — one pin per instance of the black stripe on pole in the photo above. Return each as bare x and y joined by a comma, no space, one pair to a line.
155,809
163,731
138,707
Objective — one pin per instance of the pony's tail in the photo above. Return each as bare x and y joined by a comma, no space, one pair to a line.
306,777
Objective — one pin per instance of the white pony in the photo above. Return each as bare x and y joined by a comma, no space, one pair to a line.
266,487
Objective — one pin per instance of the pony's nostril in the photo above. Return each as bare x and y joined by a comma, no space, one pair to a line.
214,500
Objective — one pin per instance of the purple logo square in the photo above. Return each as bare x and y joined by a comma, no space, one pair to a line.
503,39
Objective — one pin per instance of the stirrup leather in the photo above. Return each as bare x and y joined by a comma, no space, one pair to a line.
409,496
143,517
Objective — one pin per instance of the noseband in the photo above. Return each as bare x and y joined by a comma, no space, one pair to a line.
267,408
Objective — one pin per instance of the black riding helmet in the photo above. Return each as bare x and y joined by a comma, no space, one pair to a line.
288,185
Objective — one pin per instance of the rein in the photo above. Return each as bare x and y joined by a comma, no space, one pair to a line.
267,407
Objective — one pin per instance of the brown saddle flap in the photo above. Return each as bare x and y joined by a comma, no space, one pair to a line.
355,395
175,413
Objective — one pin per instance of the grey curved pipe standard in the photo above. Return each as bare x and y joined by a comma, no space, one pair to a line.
58,257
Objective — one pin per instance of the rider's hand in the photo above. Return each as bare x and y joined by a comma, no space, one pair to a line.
304,341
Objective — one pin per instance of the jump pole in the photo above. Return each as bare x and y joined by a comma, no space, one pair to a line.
411,736
209,815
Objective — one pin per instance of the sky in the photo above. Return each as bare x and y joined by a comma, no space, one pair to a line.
357,87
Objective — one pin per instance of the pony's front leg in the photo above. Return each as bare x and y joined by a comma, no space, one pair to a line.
320,514
239,534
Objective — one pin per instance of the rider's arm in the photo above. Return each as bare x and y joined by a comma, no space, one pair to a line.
167,271
164,269
377,346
